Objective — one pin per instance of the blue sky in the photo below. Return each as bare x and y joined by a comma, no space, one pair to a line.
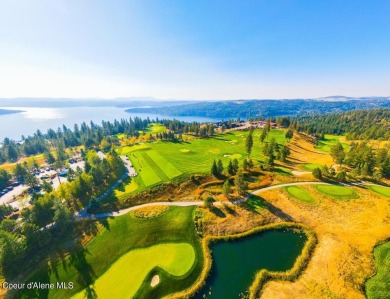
194,49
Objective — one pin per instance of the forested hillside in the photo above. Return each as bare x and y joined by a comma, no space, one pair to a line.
357,125
265,108
6,111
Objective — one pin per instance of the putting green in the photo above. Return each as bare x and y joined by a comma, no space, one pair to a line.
385,191
125,276
214,150
301,194
337,191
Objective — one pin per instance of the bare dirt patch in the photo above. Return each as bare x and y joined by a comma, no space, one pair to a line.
299,173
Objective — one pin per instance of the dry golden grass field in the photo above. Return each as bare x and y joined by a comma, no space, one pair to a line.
347,232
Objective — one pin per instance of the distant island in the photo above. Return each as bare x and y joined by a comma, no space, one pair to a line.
6,111
268,108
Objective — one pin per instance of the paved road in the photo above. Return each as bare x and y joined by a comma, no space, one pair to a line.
9,196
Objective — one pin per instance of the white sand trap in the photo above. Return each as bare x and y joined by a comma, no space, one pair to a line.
155,281
226,155
298,173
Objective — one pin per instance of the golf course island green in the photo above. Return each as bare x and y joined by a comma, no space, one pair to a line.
236,262
128,273
338,192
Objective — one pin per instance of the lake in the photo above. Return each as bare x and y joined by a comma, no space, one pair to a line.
236,262
31,119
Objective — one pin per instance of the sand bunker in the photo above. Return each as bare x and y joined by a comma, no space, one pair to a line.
155,281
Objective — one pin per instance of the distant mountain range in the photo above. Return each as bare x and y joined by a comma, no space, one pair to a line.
6,111
268,108
90,102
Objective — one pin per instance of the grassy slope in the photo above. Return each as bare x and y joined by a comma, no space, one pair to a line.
378,286
324,145
300,194
128,273
121,235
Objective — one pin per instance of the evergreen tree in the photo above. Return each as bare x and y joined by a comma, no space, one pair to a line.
19,171
263,134
49,158
289,134
235,165
219,167
317,173
245,165
337,153
214,169
241,185
249,143
71,175
230,168
226,189
284,153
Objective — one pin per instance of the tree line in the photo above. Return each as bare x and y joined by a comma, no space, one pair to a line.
361,158
95,135
356,125
27,242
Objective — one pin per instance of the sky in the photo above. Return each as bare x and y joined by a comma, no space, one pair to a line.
202,49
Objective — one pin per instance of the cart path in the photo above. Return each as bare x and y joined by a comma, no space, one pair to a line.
83,214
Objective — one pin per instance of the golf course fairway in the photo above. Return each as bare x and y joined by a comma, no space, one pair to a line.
128,273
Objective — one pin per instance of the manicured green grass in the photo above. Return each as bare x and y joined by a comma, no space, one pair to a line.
338,192
385,191
120,236
325,145
127,186
378,286
310,166
301,194
162,161
196,156
146,173
128,273
155,128
167,168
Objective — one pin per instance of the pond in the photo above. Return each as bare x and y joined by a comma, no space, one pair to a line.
236,262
